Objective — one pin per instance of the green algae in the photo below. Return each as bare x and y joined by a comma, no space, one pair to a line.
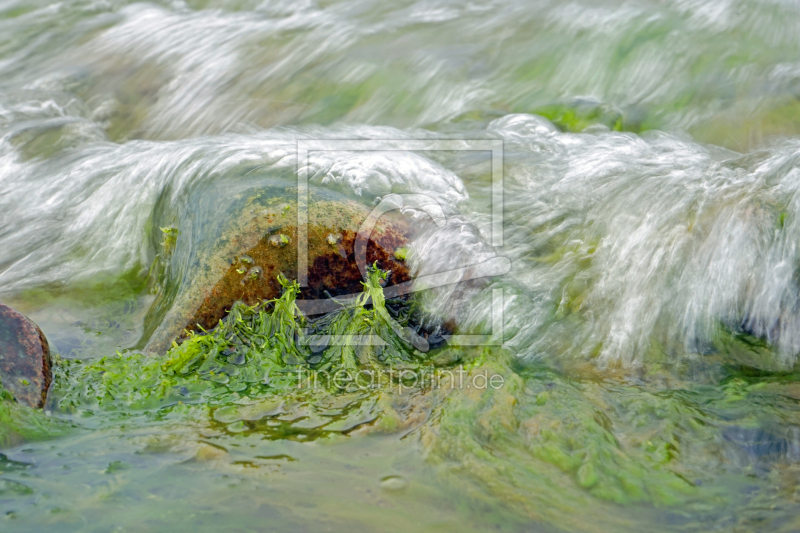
169,240
556,448
577,116
555,438
357,324
20,423
743,123
204,277
102,289
255,351
192,372
600,447
543,446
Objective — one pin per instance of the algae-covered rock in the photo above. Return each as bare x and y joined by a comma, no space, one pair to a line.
261,241
261,356
24,358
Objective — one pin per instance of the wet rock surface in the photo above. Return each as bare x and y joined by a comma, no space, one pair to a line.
261,243
25,365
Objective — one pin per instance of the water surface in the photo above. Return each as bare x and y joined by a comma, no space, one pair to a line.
651,317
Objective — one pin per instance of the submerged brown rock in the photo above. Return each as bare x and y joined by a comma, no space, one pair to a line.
25,366
262,242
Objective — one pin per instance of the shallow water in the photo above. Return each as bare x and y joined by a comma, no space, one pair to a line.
650,319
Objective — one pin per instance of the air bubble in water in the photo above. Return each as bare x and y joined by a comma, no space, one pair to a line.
393,483
279,241
254,273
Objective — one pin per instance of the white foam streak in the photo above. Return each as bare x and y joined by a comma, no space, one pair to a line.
643,240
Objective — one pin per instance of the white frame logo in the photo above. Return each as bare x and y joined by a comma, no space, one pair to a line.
496,266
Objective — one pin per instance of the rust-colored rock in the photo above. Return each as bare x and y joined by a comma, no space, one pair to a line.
261,242
25,366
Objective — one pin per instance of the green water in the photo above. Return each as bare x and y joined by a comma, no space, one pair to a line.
644,376
199,441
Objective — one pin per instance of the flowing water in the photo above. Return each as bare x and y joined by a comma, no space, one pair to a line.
650,321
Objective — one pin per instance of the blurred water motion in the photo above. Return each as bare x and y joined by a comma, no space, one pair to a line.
651,158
